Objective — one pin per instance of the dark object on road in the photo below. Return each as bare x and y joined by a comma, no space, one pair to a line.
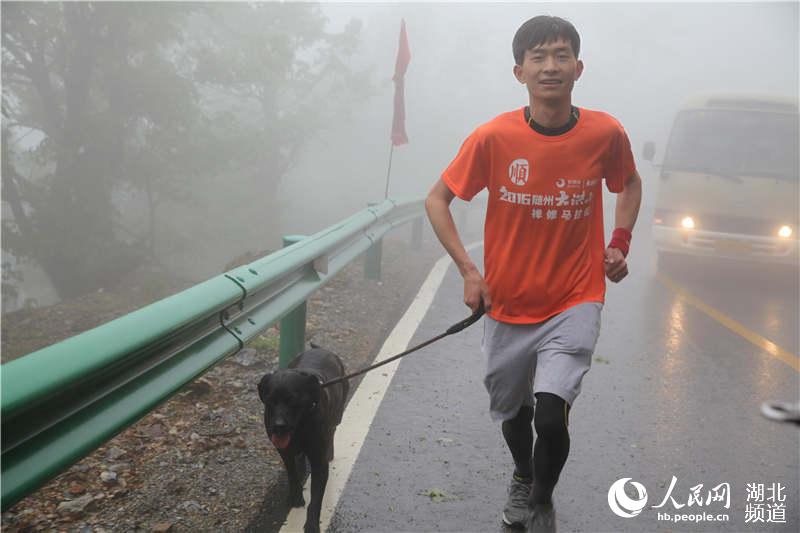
782,412
301,418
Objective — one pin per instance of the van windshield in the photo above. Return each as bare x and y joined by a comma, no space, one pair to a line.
734,143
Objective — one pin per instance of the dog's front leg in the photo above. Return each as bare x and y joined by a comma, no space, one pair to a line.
319,478
295,483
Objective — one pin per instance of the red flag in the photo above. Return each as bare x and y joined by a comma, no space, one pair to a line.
403,58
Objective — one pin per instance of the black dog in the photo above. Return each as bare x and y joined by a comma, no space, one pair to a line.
301,418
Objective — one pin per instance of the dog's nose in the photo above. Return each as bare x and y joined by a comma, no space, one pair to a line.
280,429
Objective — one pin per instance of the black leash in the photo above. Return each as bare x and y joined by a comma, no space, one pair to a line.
455,328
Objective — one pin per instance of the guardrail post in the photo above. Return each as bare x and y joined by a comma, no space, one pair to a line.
416,233
372,261
293,325
372,258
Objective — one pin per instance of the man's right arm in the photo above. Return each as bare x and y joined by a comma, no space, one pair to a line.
437,205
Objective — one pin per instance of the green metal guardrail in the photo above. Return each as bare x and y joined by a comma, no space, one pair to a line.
62,402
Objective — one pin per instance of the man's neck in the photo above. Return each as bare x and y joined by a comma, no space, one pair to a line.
550,114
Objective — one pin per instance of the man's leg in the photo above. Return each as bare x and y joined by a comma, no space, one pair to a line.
518,433
510,358
564,357
552,445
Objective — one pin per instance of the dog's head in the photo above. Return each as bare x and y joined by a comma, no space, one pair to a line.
289,396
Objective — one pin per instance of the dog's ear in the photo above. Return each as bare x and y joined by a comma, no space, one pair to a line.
263,387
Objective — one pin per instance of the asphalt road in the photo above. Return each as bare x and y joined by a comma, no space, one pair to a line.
684,360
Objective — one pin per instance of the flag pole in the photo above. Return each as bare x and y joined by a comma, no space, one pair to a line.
388,172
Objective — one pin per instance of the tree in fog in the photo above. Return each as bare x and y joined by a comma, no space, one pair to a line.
153,98
88,76
274,69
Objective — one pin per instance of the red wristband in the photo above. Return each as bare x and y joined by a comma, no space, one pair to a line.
621,240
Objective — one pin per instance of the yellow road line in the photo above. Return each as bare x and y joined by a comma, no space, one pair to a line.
768,346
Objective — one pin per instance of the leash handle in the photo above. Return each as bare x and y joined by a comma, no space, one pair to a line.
455,328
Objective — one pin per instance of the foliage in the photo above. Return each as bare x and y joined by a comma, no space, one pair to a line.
167,104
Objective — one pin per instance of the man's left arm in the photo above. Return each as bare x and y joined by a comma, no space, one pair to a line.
626,212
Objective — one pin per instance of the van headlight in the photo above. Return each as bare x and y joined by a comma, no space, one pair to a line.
687,223
785,232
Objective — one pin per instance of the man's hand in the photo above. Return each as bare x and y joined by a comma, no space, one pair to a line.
475,290
616,267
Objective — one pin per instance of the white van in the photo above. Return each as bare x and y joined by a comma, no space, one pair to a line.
728,184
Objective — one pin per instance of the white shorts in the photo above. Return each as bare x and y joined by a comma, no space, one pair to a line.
551,356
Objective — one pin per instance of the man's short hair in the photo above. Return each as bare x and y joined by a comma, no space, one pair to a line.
541,30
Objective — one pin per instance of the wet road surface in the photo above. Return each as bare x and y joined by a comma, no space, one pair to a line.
684,360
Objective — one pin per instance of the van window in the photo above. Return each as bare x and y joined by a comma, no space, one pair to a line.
734,143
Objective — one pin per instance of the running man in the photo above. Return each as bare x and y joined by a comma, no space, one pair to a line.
545,259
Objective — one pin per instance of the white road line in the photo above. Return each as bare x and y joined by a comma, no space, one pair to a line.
365,402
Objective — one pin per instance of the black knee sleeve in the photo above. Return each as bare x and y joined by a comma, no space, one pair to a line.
523,419
552,445
518,434
551,417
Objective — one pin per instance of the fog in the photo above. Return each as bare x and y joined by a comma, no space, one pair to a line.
642,61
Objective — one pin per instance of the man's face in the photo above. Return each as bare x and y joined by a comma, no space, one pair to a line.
549,70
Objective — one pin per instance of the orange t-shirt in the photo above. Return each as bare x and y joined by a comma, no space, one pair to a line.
543,235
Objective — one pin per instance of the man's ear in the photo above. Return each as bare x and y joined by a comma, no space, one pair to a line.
518,73
263,387
579,69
